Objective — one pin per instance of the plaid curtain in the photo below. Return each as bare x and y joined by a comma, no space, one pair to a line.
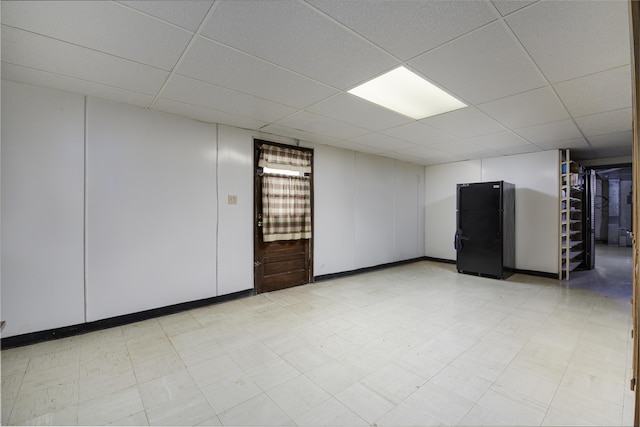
275,157
286,207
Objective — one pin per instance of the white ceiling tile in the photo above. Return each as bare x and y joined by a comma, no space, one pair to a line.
422,152
418,133
355,110
313,123
609,122
457,147
618,139
574,143
216,64
484,65
548,132
526,109
383,142
348,145
519,149
185,14
103,26
205,114
20,74
296,37
597,93
484,154
43,53
284,131
442,160
413,27
189,91
506,7
568,39
464,123
498,140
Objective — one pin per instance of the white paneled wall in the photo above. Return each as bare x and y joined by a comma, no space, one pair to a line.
334,210
153,226
235,230
409,211
440,204
151,209
42,208
374,210
537,180
536,177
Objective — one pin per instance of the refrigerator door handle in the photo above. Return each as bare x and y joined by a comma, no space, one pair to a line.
457,240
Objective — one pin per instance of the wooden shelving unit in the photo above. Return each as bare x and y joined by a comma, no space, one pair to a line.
572,233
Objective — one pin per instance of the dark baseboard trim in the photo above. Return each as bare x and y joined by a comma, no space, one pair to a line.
446,261
537,273
365,269
83,328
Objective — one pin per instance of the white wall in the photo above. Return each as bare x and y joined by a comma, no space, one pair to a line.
409,211
334,210
235,222
159,229
42,208
369,210
537,180
151,209
536,177
440,201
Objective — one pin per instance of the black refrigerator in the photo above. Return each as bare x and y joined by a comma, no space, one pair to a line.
485,235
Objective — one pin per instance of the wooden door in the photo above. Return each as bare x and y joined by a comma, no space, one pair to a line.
280,264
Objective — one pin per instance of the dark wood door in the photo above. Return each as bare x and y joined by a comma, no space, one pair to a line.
281,264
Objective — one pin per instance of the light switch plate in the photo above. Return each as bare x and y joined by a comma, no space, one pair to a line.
232,199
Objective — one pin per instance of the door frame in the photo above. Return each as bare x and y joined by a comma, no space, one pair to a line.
257,202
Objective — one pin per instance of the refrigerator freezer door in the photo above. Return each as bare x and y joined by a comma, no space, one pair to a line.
480,248
485,196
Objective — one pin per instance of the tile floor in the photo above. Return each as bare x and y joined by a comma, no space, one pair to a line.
412,345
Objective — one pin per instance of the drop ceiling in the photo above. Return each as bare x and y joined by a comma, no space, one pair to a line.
536,75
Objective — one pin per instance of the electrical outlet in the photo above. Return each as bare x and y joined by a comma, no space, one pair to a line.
232,199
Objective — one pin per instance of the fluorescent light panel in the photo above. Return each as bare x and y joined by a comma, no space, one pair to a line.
406,93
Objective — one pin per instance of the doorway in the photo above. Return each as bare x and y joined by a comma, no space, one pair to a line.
283,216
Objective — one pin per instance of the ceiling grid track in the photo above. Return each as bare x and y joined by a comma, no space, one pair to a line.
195,36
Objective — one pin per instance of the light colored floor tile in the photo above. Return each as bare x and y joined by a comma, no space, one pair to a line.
252,355
413,345
557,417
137,419
185,410
306,358
165,389
334,376
442,404
330,413
393,383
40,401
464,384
496,408
230,391
213,370
158,367
110,408
272,373
367,404
67,416
298,396
528,385
409,413
213,421
259,410
94,384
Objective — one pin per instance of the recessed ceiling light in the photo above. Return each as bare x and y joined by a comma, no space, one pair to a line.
406,93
